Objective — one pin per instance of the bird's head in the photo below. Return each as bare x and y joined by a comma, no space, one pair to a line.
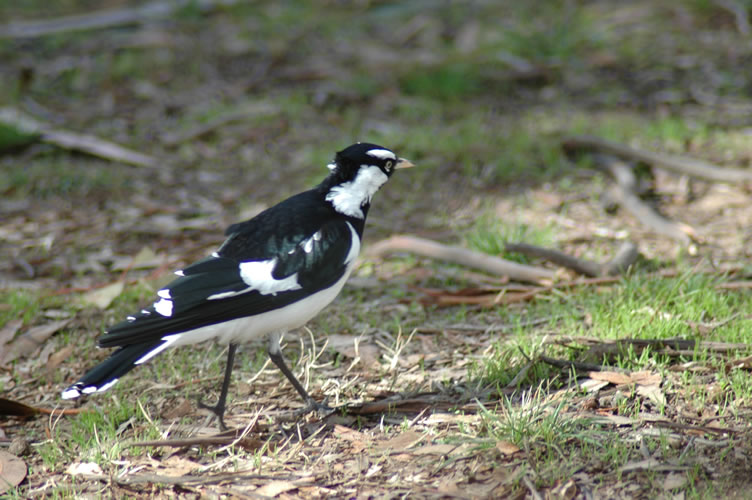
357,172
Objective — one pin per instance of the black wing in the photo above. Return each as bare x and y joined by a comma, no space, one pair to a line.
213,290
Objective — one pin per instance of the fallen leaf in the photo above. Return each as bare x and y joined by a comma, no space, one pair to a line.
146,258
653,393
615,378
400,442
8,331
645,378
507,448
12,471
178,466
57,358
275,488
434,449
103,297
354,347
674,480
565,491
80,468
184,408
30,340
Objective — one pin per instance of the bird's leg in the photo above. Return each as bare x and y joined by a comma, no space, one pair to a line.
275,353
219,408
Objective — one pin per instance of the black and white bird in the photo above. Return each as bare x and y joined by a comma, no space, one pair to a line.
273,273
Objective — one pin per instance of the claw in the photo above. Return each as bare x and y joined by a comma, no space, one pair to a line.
218,410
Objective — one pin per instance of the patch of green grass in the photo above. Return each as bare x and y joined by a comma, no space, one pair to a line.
12,138
564,35
20,304
53,175
639,307
448,82
491,234
94,436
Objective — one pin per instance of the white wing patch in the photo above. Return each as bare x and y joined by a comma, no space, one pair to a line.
383,154
307,244
258,276
349,197
168,341
163,307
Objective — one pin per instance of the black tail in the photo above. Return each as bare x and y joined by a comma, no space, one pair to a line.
105,374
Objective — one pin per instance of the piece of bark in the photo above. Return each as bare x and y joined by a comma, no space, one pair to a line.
678,164
105,18
462,256
623,193
82,143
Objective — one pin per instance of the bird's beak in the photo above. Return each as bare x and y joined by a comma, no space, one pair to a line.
403,163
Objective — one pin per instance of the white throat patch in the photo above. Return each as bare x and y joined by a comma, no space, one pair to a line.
348,198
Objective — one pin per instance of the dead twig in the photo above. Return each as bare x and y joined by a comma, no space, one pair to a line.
625,257
579,366
678,164
462,256
82,143
624,194
105,18
250,444
740,13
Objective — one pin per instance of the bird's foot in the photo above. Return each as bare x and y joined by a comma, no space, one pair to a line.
322,410
218,410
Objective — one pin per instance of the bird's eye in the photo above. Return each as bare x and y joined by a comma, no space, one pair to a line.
388,166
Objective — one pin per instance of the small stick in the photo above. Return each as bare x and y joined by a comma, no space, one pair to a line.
625,257
462,256
104,18
677,164
584,367
581,266
624,194
77,142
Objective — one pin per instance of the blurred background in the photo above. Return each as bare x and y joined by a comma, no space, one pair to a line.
240,103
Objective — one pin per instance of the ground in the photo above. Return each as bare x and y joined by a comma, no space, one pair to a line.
445,378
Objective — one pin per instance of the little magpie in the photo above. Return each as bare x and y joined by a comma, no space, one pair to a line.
273,273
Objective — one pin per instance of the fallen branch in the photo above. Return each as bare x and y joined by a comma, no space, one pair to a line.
11,408
678,164
105,18
462,256
249,444
579,366
624,194
82,143
625,257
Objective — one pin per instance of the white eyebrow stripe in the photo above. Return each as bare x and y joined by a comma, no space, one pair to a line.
383,154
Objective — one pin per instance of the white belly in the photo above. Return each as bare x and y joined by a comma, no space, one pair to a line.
278,320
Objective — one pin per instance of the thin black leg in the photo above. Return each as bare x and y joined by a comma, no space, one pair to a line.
219,408
310,404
